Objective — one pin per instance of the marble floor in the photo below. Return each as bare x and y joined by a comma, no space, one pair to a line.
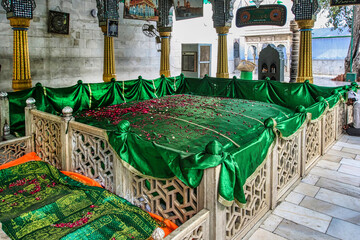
326,202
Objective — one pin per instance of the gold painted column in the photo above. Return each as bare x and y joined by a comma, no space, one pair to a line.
109,57
165,54
21,63
222,61
305,51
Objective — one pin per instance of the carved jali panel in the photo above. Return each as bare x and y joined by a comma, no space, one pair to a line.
47,138
288,161
329,128
93,157
196,234
13,150
341,118
313,142
256,197
171,199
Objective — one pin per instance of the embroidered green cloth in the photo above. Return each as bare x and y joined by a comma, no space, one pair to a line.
182,135
39,202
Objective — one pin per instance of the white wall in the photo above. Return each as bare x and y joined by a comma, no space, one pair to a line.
60,60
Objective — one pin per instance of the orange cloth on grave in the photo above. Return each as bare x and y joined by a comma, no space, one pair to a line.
81,178
26,158
166,225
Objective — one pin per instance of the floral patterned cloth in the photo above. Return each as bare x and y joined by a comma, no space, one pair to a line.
39,202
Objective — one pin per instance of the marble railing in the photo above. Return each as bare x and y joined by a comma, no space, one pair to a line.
73,146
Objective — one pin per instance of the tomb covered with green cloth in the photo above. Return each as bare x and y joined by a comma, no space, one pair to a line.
182,135
178,127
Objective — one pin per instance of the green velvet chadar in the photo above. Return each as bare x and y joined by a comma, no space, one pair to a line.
39,202
160,135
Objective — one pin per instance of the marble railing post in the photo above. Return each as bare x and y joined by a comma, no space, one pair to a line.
222,61
66,138
109,57
21,63
165,54
4,112
305,52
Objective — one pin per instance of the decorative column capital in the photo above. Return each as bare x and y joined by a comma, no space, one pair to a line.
104,29
165,34
305,24
222,30
17,22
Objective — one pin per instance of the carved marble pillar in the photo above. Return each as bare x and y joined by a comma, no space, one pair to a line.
305,51
222,61
294,50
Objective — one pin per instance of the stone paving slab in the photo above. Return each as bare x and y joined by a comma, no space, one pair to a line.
262,234
328,165
293,231
304,216
306,189
332,158
331,210
337,176
344,230
271,222
347,145
339,187
294,198
310,179
351,151
341,153
338,199
351,162
355,171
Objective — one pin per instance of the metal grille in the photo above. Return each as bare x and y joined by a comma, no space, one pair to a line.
107,9
304,9
19,8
